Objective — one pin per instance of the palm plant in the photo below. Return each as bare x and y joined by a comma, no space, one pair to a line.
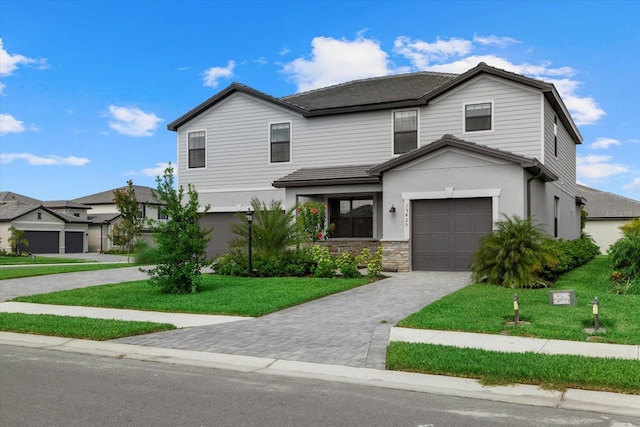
273,229
514,254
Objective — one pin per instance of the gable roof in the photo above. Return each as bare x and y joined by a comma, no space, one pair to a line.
395,91
13,211
8,196
601,205
372,174
533,166
143,195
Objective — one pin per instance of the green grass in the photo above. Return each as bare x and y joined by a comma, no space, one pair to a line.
496,368
19,272
220,295
487,308
77,327
21,260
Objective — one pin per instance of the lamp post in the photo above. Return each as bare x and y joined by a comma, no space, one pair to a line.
249,216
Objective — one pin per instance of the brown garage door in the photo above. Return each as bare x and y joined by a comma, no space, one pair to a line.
42,242
74,242
219,221
445,233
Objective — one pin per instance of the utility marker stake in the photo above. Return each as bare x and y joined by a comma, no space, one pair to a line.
596,314
516,309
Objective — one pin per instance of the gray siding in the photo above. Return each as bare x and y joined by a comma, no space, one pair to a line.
516,109
564,165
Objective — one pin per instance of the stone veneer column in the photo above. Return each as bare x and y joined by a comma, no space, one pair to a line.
396,255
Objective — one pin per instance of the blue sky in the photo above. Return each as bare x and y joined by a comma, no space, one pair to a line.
88,87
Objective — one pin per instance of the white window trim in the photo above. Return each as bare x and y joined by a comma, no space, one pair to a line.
464,117
393,128
290,142
206,148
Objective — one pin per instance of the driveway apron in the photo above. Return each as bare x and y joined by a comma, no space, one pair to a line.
350,328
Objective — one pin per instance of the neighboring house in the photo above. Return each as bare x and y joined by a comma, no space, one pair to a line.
606,212
422,164
49,227
104,215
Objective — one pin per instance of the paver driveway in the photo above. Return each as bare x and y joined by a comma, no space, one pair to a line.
350,328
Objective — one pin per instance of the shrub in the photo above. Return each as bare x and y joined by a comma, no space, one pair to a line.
624,256
570,254
514,254
348,266
145,254
297,262
373,263
325,265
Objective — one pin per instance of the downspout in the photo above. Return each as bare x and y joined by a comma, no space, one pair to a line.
534,177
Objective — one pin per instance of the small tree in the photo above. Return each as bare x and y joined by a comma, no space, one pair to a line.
311,220
16,240
129,228
272,232
180,241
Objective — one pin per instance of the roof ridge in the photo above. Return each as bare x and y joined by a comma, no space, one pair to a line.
387,76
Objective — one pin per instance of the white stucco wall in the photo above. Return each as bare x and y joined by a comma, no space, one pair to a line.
604,232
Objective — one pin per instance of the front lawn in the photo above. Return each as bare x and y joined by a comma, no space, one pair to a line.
228,295
19,272
21,260
487,309
496,368
77,327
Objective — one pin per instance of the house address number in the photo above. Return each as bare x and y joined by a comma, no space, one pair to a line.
562,297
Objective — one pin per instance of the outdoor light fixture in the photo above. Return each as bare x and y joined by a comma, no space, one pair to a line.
393,209
249,216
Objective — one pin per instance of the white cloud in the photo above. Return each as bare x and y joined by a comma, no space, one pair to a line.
9,124
34,160
604,143
213,74
422,54
10,62
157,171
597,167
132,121
284,51
584,110
336,61
632,186
490,40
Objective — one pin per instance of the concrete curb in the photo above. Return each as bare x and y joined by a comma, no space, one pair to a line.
582,400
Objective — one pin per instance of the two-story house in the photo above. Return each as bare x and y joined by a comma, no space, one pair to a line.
422,164
104,215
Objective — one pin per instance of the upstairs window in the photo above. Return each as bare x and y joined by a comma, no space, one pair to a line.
477,117
161,213
405,131
353,217
142,212
555,136
280,142
197,144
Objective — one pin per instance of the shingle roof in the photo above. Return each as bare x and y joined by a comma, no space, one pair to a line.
357,174
602,205
395,91
8,196
10,211
64,204
104,218
143,195
377,90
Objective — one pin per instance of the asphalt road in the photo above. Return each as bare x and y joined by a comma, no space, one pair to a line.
53,388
